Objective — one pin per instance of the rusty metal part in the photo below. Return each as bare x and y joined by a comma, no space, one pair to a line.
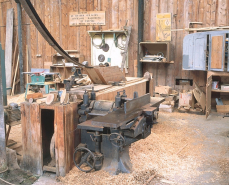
101,58
87,157
105,47
28,7
117,139
134,104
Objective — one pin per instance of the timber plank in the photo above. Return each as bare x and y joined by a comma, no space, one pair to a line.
60,143
64,24
115,15
216,52
83,44
46,47
9,46
90,7
222,13
32,141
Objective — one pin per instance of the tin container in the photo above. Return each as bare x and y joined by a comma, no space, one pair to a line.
215,84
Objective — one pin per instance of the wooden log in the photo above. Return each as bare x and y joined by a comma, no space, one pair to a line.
51,98
42,100
63,96
34,95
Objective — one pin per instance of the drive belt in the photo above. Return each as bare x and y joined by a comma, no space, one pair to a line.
28,7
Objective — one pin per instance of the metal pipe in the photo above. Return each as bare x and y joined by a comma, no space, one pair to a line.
3,160
22,87
140,32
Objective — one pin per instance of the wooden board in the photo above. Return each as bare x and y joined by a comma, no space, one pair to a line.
9,47
110,74
109,94
105,75
208,96
93,75
222,108
34,95
216,52
163,27
31,141
87,18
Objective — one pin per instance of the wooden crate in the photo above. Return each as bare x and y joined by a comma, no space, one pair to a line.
66,137
153,48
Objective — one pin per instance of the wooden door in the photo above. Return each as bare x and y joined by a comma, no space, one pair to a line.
208,96
199,51
187,62
216,57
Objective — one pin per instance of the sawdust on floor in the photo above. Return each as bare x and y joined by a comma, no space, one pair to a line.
172,148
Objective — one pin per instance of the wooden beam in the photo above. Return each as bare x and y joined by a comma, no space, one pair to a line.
3,162
9,47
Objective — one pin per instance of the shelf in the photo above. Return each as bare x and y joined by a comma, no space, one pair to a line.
64,66
150,61
218,90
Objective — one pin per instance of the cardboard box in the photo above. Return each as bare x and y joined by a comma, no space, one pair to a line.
163,90
225,87
186,99
222,108
166,108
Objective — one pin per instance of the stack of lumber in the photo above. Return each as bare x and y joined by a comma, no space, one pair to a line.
170,98
193,101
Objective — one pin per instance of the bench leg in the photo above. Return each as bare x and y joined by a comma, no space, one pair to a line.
7,134
27,87
47,89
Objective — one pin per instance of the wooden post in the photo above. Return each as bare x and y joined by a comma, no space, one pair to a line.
3,162
9,47
22,88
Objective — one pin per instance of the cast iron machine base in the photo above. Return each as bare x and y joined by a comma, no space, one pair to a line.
105,139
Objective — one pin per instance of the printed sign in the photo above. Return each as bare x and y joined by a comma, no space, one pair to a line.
163,27
87,18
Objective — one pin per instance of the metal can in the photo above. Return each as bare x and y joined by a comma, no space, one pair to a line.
215,84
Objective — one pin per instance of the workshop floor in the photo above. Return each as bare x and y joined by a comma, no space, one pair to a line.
182,149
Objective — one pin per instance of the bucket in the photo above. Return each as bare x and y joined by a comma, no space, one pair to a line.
215,84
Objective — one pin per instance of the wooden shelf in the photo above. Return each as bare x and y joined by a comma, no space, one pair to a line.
64,66
150,61
218,90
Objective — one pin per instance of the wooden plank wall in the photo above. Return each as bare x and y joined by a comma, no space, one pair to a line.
210,12
55,13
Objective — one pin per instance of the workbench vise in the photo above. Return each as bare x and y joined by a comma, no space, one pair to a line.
105,139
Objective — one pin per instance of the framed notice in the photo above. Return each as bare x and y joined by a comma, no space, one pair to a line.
87,18
163,27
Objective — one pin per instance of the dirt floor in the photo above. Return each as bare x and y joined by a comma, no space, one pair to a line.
182,149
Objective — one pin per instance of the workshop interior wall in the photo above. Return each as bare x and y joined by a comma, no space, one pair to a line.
55,15
210,12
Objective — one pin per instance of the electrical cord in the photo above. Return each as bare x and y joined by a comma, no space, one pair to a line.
99,45
120,46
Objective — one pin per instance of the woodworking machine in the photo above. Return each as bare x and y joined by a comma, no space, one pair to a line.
108,129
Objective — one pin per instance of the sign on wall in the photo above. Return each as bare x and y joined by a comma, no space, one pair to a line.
163,27
87,18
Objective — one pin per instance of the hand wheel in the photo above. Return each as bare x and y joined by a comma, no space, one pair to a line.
87,158
117,139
